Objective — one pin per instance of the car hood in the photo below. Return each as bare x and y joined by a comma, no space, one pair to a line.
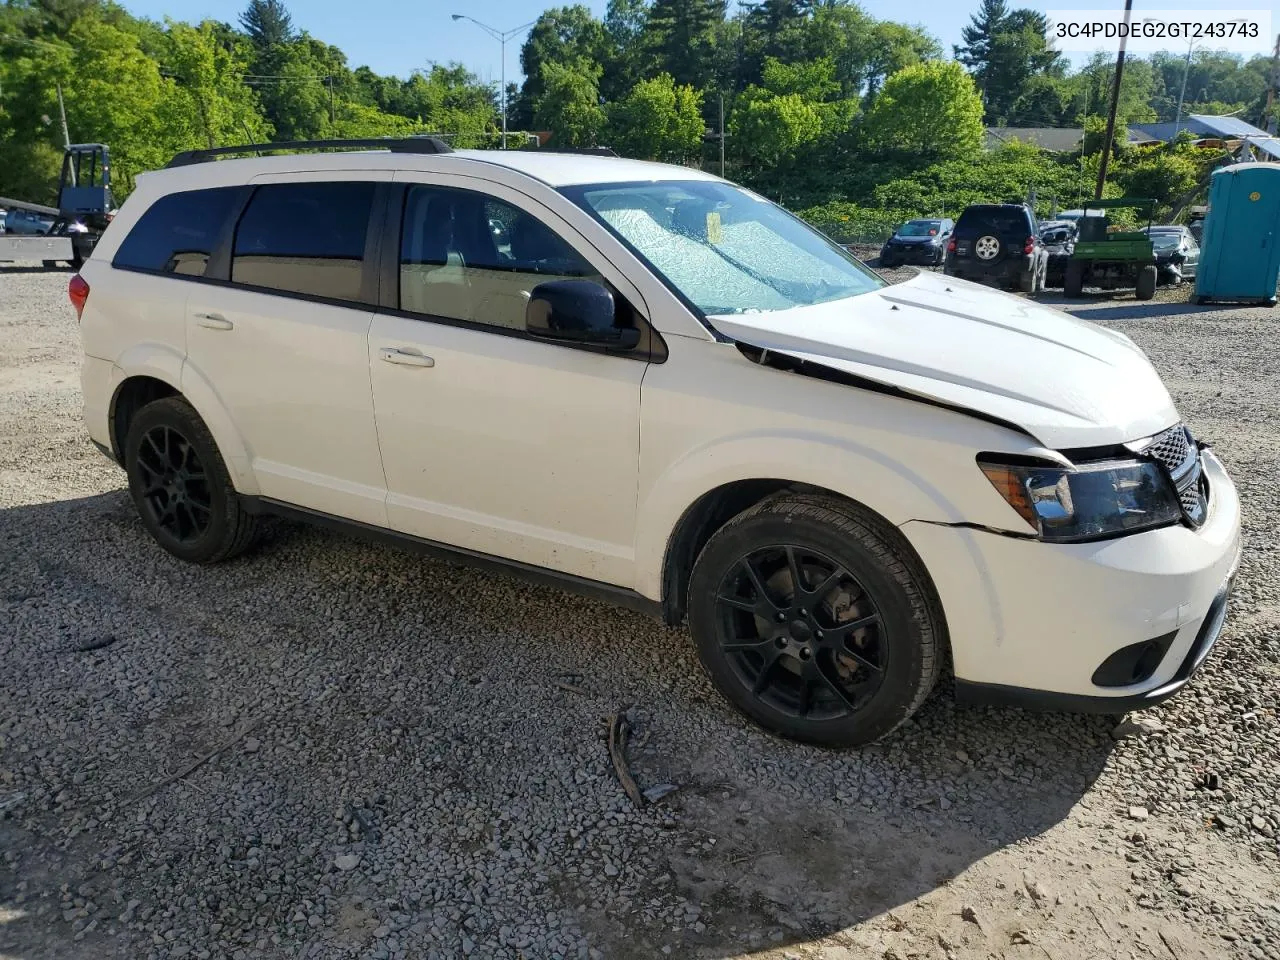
1066,382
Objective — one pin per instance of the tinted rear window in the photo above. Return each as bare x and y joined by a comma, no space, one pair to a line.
304,238
998,219
178,232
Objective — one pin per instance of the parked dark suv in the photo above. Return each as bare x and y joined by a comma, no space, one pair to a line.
998,242
918,241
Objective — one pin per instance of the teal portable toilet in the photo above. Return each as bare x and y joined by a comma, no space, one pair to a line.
1240,252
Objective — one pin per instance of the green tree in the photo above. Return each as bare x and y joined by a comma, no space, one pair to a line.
927,110
1043,102
979,40
844,34
1019,54
892,47
657,120
1162,174
267,24
681,38
769,128
295,96
1005,50
569,105
625,22
1092,88
210,90
561,36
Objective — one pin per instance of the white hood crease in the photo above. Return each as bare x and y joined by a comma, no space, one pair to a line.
1067,382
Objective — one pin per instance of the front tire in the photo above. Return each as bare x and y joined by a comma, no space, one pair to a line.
815,619
181,487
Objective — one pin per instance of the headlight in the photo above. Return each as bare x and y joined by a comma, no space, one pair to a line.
1089,501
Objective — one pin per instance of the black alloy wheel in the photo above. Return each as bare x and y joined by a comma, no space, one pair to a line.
174,485
180,485
802,632
815,618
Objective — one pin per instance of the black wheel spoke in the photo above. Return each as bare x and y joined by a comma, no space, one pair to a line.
848,651
742,646
189,460
150,440
797,584
766,670
815,676
822,589
757,583
842,631
172,483
789,653
741,603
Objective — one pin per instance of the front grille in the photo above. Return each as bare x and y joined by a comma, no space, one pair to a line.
1178,452
1171,448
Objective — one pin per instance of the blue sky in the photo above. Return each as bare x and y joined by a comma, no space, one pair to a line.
398,36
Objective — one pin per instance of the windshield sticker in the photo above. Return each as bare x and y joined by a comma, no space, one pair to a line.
715,234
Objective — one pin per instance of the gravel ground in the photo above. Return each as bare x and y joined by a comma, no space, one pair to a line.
331,749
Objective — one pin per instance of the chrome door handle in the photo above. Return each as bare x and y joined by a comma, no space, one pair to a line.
214,321
407,358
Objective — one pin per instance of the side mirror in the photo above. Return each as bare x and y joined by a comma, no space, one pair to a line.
576,311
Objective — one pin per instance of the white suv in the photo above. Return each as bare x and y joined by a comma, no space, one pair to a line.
642,382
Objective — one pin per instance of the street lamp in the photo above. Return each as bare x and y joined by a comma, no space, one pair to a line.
502,36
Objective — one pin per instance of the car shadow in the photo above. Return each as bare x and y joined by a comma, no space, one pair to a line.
1151,310
7,268
465,711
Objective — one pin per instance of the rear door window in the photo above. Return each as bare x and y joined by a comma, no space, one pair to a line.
178,232
305,238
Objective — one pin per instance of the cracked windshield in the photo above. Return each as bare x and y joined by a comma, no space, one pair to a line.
728,251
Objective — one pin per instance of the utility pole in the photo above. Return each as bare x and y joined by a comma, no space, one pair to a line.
1186,69
62,112
722,134
1270,119
1115,102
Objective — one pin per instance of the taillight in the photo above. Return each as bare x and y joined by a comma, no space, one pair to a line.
78,291
951,246
1030,245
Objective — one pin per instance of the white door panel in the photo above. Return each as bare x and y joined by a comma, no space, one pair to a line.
509,446
294,376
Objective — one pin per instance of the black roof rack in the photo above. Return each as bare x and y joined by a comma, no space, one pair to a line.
589,151
394,144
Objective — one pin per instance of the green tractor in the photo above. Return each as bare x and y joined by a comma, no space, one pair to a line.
1108,257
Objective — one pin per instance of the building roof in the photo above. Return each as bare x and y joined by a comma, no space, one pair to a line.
1058,139
1268,146
1201,125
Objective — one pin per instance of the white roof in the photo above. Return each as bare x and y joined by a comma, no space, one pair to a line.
553,169
564,169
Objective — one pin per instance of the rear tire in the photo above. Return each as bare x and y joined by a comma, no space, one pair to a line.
181,487
1147,277
842,660
1073,281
